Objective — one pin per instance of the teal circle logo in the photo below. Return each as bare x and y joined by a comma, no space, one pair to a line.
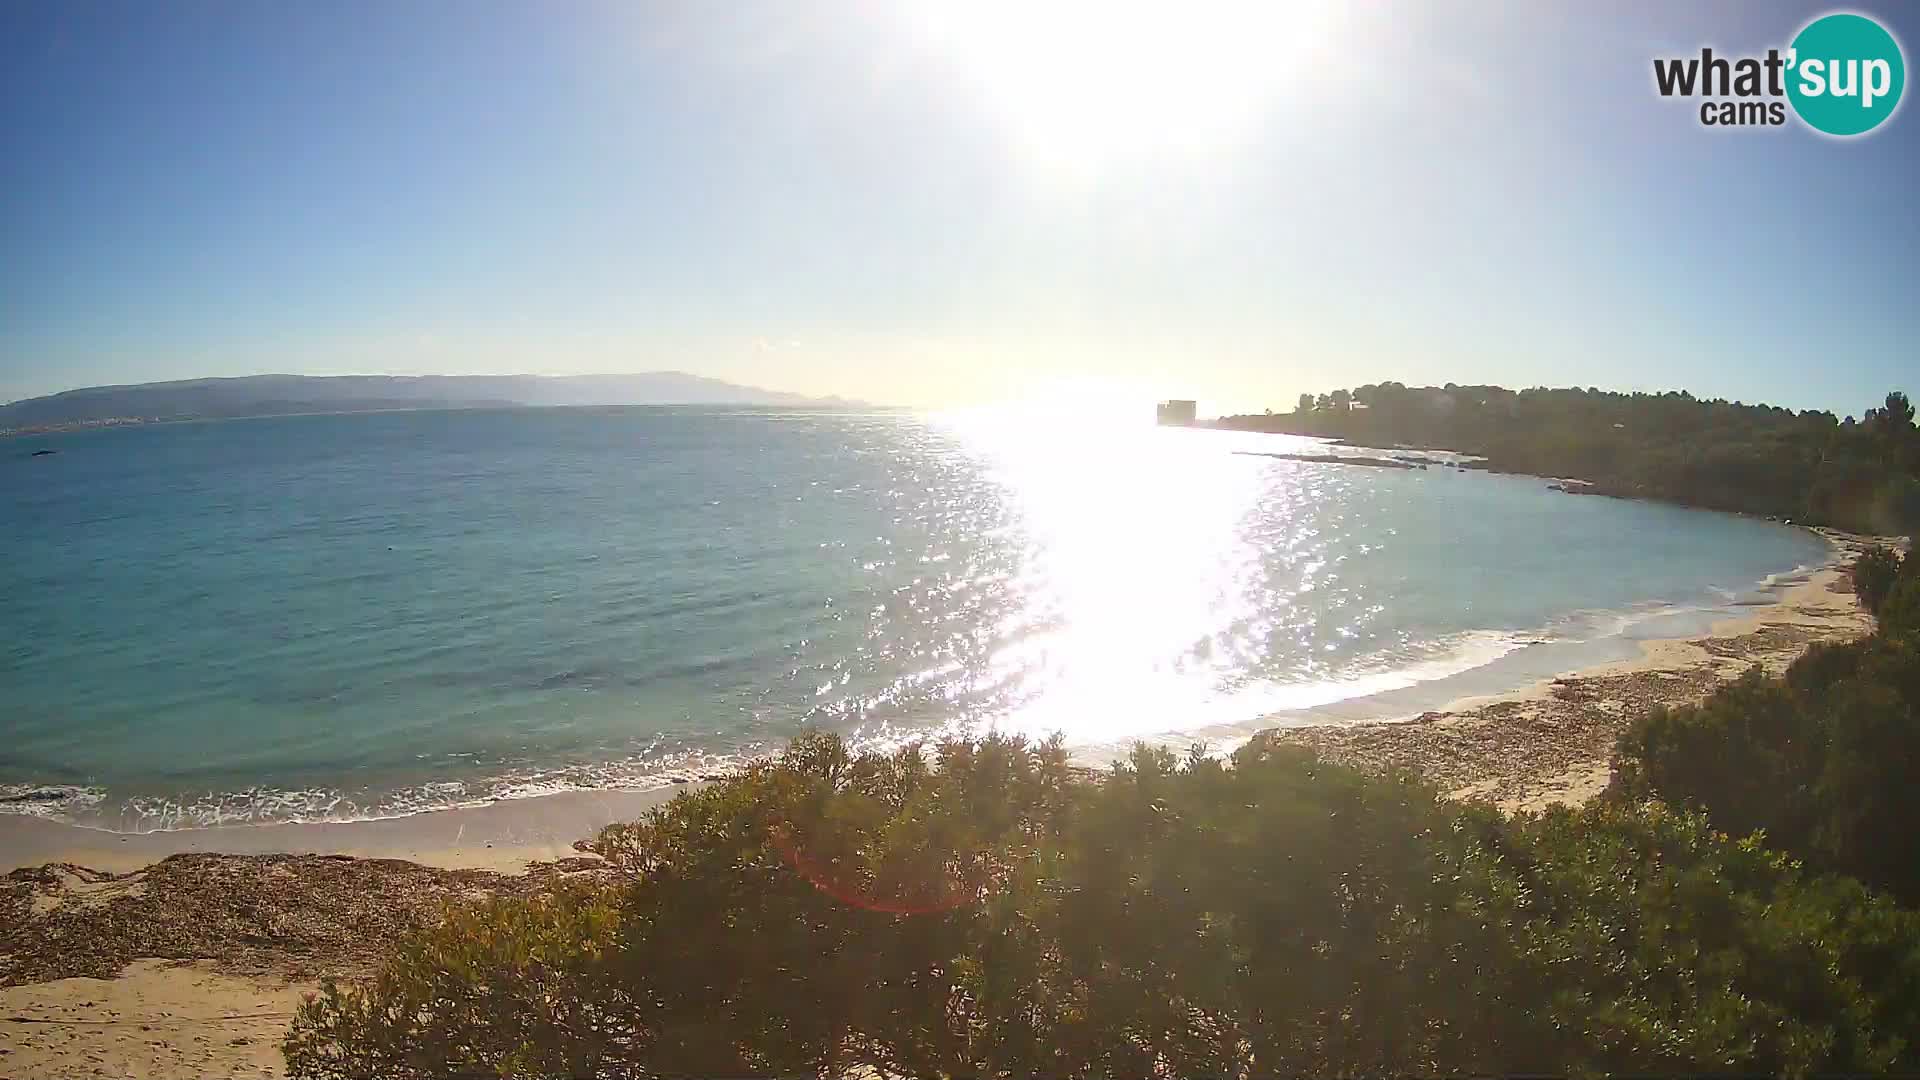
1845,74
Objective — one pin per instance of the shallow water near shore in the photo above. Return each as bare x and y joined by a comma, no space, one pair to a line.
344,617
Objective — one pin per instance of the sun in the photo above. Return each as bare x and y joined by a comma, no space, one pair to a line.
1085,85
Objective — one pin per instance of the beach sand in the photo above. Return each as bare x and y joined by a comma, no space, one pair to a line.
1551,742
157,1018
184,953
193,965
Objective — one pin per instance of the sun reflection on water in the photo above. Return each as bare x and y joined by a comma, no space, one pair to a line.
1142,586
1070,567
1136,567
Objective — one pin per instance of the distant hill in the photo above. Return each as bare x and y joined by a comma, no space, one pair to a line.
267,395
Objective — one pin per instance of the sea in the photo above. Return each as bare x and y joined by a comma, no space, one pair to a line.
348,617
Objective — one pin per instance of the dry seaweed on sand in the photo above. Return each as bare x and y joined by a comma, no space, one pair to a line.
291,916
1516,752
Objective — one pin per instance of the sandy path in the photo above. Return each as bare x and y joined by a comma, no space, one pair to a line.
158,1018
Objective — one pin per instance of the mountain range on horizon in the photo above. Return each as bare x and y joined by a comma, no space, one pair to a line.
267,395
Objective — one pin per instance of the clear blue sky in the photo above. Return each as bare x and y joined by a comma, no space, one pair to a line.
930,204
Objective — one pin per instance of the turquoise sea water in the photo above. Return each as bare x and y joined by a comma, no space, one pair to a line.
334,617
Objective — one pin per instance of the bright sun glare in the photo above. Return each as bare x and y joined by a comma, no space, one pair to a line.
1087,84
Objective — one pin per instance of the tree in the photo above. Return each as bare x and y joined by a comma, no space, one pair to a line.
1718,454
1898,413
1304,405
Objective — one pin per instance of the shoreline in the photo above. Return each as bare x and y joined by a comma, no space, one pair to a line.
1505,673
502,836
1551,741
506,835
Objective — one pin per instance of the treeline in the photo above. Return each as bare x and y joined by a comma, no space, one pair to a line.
1862,475
981,909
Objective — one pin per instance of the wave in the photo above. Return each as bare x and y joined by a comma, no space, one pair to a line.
48,800
267,805
1226,717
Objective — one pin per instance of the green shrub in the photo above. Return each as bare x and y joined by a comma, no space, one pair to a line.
1823,761
1873,574
1826,664
1749,754
1900,613
759,925
1285,917
1675,949
1869,787
506,987
985,911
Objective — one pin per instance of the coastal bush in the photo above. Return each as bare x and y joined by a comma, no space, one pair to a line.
1283,917
1874,573
1867,798
1676,949
1822,761
1900,613
503,987
1749,754
770,923
981,909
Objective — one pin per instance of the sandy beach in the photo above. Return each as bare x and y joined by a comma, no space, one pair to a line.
1551,742
185,952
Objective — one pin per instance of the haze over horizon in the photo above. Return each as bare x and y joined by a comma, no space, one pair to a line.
934,204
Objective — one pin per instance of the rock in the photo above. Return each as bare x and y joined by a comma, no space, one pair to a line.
44,452
1333,459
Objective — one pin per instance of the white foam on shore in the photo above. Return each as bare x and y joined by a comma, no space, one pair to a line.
265,805
1220,724
47,800
1574,642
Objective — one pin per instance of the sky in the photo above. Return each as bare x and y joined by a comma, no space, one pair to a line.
932,204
